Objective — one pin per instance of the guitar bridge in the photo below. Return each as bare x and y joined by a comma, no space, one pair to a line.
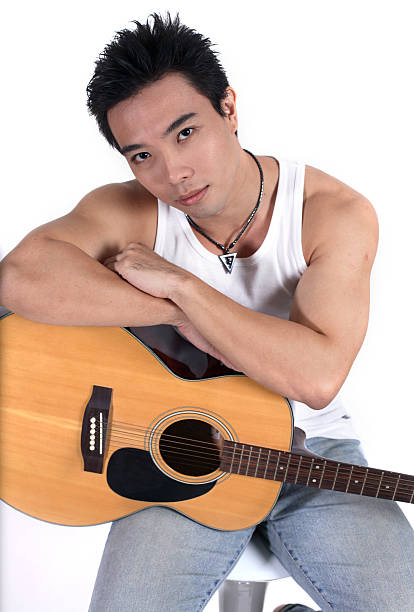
94,429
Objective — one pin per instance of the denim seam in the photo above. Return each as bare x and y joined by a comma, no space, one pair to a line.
211,592
300,567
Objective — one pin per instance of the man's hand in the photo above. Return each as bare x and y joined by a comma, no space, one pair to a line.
147,271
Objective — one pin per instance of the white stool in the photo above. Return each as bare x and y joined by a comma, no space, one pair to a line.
245,587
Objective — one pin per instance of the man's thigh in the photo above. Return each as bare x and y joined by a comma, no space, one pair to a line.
348,552
158,559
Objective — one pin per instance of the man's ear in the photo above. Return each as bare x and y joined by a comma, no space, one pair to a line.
228,105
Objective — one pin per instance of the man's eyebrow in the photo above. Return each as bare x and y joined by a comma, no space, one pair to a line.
174,125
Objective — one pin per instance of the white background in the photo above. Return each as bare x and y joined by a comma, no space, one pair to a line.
328,83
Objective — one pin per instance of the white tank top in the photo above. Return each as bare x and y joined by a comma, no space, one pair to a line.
265,281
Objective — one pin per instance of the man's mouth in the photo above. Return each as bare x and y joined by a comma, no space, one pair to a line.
193,196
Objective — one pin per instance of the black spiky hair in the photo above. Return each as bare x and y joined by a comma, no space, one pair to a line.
139,57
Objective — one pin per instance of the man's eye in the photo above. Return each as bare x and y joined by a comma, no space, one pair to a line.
186,132
139,157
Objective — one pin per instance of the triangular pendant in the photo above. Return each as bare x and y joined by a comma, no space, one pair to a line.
228,260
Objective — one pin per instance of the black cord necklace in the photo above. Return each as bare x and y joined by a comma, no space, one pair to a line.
228,259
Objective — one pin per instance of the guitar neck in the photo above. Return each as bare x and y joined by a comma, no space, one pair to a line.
284,466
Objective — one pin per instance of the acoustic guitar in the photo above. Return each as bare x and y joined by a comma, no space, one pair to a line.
100,422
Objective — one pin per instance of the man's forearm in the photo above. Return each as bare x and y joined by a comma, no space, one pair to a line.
57,283
284,356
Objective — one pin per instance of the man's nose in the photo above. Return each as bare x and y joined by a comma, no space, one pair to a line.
177,171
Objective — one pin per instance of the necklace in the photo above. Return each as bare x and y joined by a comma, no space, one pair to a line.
228,259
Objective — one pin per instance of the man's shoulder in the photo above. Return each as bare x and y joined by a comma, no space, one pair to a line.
332,210
320,186
127,207
128,197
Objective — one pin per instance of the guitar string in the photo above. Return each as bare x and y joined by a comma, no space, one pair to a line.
142,431
214,446
286,453
336,477
383,473
253,453
368,481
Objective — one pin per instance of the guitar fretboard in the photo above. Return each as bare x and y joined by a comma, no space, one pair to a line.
284,466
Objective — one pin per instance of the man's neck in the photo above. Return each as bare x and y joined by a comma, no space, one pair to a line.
225,225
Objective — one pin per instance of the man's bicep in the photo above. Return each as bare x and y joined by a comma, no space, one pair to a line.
332,296
333,303
83,231
98,225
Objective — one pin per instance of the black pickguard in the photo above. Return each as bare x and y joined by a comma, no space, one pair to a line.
132,473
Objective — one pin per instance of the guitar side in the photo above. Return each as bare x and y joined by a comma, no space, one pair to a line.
48,373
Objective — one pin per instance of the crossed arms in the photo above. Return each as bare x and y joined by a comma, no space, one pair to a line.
96,266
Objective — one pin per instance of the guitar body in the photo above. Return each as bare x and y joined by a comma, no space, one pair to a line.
48,374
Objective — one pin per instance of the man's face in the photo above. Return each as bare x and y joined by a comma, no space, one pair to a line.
177,144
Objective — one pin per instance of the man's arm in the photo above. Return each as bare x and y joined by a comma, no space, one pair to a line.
308,357
54,275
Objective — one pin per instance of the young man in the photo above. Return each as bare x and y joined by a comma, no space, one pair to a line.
261,262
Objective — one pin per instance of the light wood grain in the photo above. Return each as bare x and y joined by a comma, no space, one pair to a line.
47,373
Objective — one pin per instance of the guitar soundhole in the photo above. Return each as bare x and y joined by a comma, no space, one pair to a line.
190,447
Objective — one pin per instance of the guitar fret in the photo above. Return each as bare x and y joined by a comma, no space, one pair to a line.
267,462
301,470
365,479
323,472
349,479
310,470
287,468
396,486
281,468
358,477
298,470
232,459
257,463
316,467
336,476
248,462
379,486
320,477
241,458
388,485
277,465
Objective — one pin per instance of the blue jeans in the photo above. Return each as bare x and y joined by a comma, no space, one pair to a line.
349,553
